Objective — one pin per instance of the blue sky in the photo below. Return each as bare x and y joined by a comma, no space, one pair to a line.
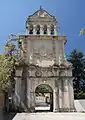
70,15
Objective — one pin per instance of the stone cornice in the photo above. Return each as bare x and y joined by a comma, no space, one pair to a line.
59,77
43,37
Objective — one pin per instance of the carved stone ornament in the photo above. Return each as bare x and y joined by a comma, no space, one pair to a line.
38,73
43,53
62,73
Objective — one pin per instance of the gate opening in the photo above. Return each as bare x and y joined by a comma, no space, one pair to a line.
43,98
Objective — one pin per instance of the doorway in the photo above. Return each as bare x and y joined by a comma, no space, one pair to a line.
43,98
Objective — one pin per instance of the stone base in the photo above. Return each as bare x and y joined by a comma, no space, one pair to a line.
66,110
32,109
56,110
72,110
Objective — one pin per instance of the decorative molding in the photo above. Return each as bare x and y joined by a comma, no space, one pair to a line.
38,73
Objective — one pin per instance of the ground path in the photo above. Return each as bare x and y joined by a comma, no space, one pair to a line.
49,116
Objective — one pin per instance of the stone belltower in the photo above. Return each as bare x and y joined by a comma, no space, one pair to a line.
46,64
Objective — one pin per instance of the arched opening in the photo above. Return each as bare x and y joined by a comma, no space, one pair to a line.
52,29
38,29
45,29
31,29
43,98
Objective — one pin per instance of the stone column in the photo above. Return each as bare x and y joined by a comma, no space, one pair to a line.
71,94
19,98
34,29
27,30
48,29
18,92
32,102
28,93
41,29
55,100
66,105
60,95
32,96
55,30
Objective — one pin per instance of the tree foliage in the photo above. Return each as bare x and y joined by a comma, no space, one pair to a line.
42,90
7,68
8,61
82,31
78,61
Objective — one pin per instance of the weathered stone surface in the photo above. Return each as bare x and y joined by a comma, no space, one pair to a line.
50,116
46,64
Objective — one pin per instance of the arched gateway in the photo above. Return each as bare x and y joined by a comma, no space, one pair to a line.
46,64
43,98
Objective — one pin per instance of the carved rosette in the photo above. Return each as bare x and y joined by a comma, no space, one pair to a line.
38,72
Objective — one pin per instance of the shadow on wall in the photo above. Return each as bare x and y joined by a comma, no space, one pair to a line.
7,116
79,105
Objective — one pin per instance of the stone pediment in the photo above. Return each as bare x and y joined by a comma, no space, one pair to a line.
41,13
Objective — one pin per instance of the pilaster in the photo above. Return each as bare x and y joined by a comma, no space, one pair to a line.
48,29
28,93
34,29
71,94
32,95
60,95
55,100
66,105
55,31
41,29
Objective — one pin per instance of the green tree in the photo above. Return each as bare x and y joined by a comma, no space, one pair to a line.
7,70
8,61
42,89
78,61
82,31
